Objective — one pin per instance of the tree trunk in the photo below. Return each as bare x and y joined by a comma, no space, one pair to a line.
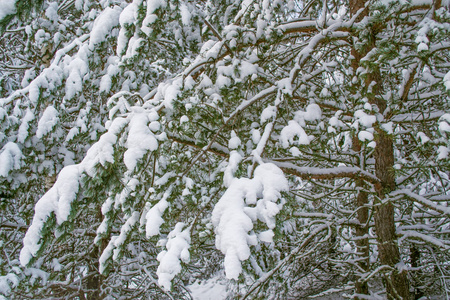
362,231
362,242
415,263
94,282
397,285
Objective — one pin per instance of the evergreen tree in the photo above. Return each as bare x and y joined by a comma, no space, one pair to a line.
278,149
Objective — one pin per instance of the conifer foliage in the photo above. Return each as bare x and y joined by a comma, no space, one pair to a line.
254,149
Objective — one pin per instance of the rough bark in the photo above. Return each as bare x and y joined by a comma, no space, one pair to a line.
362,242
362,231
415,263
396,283
94,282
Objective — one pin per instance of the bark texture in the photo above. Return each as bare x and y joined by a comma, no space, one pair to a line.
362,242
396,282
362,230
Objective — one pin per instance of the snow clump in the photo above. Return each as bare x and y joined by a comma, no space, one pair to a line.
244,202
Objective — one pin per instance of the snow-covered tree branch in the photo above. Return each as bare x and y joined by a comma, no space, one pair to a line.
248,149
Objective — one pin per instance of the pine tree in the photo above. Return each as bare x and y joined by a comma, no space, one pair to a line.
284,149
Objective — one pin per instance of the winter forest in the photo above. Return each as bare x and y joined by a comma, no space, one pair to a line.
224,149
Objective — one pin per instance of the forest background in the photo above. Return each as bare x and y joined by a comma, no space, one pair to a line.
275,149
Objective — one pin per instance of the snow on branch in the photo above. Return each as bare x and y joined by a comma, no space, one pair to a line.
246,103
417,117
327,173
47,74
411,234
59,198
177,250
10,158
422,200
56,201
233,216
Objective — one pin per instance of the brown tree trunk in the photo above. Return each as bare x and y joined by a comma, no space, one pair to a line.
362,242
415,263
397,284
362,231
94,282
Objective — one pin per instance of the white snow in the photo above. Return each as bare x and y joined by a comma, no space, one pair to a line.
7,7
183,119
443,152
129,14
106,255
232,225
29,75
388,127
34,89
154,216
285,86
233,219
52,11
447,81
422,137
256,136
37,274
422,39
364,136
205,82
263,140
48,121
444,123
233,163
335,122
273,181
234,141
268,113
10,158
152,6
292,130
185,14
76,69
112,70
211,289
140,139
163,179
126,191
177,246
208,45
365,119
266,236
127,17
56,266
168,91
22,134
103,151
57,200
103,25
222,81
124,232
422,47
247,69
312,113
7,282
